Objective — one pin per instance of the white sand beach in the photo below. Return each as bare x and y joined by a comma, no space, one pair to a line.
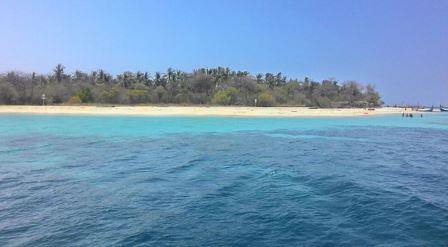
198,111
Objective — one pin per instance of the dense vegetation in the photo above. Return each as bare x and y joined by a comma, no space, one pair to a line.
220,86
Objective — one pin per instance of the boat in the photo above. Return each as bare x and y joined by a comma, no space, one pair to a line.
427,109
442,109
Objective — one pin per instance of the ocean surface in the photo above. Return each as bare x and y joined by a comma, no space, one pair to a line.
223,181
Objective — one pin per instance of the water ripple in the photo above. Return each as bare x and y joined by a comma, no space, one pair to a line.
346,184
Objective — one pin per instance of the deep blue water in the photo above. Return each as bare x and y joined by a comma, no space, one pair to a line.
209,181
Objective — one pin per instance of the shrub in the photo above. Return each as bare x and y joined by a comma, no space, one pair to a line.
281,96
228,96
57,94
221,98
323,102
265,99
74,100
85,95
181,99
300,99
137,96
199,98
233,93
110,96
160,95
8,94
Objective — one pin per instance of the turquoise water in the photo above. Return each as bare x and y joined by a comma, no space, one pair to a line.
212,181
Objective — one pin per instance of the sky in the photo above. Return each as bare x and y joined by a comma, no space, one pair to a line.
400,46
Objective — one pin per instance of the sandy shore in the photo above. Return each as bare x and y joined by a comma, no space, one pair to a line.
198,111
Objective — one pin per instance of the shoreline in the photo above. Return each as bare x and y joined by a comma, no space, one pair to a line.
229,111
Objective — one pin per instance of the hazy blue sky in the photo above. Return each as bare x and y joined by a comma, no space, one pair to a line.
400,46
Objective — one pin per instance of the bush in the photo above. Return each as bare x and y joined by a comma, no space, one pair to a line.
74,100
181,99
56,94
85,95
137,96
323,102
221,98
265,99
228,96
8,94
110,96
160,95
233,93
280,96
301,100
198,98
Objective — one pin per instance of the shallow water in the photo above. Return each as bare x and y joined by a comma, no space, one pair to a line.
207,181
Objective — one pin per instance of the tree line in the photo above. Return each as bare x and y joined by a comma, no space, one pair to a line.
214,86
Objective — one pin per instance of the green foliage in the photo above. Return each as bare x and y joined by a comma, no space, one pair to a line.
228,96
373,98
300,99
85,95
138,96
221,98
280,96
160,95
8,94
220,85
74,100
59,72
265,99
110,96
323,102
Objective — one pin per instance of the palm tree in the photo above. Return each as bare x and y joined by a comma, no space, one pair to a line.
59,72
259,78
171,75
